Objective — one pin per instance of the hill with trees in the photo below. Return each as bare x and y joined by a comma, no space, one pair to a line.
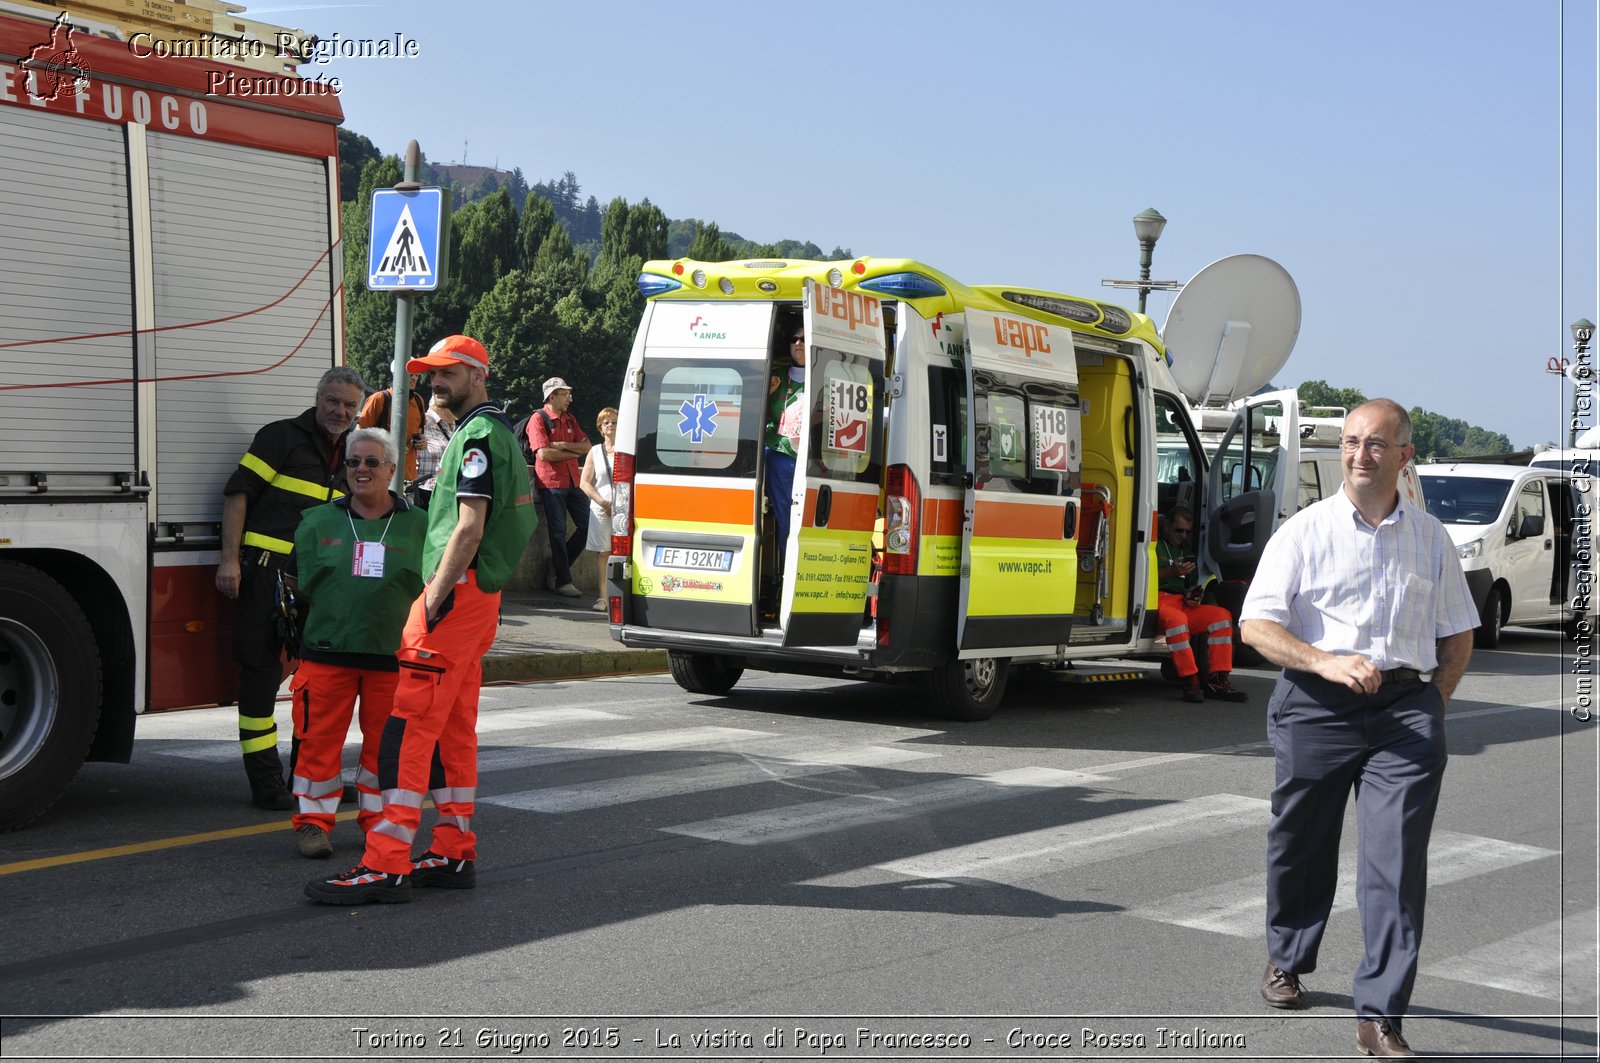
1433,434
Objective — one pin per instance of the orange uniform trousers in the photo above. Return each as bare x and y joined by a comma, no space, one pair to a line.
324,698
430,742
1179,621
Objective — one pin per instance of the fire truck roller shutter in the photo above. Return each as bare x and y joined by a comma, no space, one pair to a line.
64,250
235,230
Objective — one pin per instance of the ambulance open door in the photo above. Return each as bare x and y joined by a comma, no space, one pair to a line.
1254,483
1019,573
828,558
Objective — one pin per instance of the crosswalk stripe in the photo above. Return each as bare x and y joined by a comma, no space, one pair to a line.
1533,962
1239,908
1019,857
881,806
651,786
518,719
632,742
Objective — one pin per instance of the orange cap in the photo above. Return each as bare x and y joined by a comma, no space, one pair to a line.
451,349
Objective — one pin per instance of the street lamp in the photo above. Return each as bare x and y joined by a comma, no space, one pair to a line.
1147,226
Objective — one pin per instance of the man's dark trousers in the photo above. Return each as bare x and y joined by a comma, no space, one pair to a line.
1388,747
559,503
257,649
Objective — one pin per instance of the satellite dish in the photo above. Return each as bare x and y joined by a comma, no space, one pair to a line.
1231,328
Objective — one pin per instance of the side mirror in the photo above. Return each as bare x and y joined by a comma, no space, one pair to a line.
1532,527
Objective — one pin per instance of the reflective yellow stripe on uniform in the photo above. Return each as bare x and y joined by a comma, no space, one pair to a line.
292,484
267,542
266,741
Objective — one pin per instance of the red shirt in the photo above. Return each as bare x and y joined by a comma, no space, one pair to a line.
563,429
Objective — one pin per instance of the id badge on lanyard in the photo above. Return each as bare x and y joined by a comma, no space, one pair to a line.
366,561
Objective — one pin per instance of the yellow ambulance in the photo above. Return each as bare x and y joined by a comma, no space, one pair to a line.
976,485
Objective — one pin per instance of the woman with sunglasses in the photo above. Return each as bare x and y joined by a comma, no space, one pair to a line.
785,408
358,563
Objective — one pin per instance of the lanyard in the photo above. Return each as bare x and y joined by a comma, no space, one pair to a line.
357,534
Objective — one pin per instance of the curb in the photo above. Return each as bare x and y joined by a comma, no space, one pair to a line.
524,667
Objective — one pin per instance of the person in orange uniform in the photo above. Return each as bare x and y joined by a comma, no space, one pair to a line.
1181,614
358,563
479,520
375,413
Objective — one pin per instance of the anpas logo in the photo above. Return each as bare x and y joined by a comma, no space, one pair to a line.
56,68
706,333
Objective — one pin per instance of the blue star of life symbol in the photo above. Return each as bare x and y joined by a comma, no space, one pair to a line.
699,419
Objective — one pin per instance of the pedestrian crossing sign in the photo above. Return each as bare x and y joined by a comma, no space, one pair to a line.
410,240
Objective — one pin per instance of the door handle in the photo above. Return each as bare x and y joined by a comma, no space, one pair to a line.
824,506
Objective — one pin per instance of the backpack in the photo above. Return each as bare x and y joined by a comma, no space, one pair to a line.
520,430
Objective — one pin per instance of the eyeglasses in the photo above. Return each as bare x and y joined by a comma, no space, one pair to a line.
371,463
608,424
797,339
1375,447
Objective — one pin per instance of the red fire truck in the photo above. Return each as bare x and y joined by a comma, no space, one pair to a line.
170,280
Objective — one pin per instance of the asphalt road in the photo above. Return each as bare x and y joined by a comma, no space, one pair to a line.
807,869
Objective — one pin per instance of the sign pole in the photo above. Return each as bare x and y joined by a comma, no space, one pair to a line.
400,403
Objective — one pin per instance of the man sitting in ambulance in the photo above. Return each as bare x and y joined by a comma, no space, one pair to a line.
1181,612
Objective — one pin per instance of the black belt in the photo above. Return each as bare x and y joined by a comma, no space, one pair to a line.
1400,675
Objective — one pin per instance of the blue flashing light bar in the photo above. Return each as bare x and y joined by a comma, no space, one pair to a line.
653,284
905,286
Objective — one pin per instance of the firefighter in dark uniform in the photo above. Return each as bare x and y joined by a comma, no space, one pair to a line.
291,465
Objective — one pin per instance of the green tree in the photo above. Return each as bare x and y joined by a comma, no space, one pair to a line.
1321,393
355,151
538,219
709,245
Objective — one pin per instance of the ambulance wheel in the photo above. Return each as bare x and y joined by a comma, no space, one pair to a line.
49,692
970,689
704,673
1487,636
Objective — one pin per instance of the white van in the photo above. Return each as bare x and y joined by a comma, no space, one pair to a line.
1512,526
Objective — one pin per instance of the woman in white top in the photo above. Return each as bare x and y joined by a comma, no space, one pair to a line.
596,483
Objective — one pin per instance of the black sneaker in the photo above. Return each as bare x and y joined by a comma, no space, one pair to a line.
1222,690
1191,690
360,885
268,792
442,872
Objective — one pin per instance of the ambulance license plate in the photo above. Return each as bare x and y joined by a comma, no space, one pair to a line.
700,560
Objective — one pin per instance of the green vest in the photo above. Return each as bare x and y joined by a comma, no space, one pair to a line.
1166,554
350,614
788,392
484,434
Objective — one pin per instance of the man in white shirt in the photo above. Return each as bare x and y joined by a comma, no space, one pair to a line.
1360,598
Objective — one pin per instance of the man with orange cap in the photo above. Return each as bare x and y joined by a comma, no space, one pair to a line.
479,520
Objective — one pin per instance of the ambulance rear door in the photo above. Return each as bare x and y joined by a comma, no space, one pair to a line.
702,409
1024,446
1254,481
828,558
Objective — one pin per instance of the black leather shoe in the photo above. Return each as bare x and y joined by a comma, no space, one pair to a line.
1376,1037
1280,989
269,792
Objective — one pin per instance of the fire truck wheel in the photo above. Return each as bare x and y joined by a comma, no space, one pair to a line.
1487,637
704,673
49,692
970,689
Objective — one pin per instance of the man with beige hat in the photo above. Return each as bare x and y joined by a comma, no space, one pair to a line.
559,447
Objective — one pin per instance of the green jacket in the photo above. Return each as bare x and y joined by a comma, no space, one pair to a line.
353,620
483,460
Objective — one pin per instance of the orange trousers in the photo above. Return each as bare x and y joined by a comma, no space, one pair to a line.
430,742
324,698
1213,622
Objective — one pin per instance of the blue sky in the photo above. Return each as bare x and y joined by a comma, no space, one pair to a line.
1425,171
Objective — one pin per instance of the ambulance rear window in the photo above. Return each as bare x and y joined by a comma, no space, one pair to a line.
700,417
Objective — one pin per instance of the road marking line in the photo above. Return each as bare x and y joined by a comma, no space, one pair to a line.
632,742
882,806
1239,908
1031,854
631,789
1533,962
153,846
520,719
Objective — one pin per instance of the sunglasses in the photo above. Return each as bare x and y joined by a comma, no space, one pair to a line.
371,463
797,339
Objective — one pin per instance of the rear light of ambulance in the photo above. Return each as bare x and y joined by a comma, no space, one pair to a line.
622,505
901,520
